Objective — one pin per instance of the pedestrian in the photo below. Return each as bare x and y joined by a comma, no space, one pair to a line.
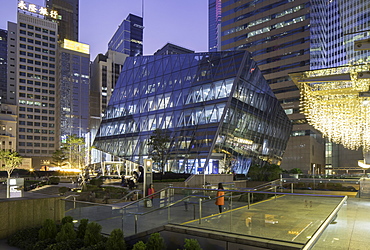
151,191
220,200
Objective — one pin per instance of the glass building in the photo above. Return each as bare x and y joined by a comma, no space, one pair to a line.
214,25
291,36
217,108
67,18
128,38
74,86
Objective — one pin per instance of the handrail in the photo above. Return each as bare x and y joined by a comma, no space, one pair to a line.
144,198
72,195
320,230
167,206
127,195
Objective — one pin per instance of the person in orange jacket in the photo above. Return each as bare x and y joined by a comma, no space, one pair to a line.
220,201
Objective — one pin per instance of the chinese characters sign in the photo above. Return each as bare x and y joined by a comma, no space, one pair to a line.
33,8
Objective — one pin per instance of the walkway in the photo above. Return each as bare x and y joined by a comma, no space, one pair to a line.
350,230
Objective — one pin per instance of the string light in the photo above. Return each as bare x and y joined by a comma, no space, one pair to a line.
336,101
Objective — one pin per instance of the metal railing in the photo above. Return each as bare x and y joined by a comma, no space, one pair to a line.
135,217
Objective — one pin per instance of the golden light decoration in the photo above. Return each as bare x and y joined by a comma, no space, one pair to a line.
336,101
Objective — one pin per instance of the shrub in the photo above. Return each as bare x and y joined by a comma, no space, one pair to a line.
24,239
92,234
192,244
155,242
54,180
43,244
139,246
67,219
65,245
66,233
116,240
48,230
82,228
63,190
96,182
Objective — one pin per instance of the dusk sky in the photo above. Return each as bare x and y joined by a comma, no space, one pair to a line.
184,23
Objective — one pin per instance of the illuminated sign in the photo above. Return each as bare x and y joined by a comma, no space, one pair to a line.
136,41
76,46
33,8
242,140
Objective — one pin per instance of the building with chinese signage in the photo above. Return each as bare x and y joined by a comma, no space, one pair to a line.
216,108
34,59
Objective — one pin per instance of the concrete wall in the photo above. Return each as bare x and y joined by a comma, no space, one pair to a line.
17,214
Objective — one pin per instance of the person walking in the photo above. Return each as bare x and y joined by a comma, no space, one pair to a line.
220,200
151,191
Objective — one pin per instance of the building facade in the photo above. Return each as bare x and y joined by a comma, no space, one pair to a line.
67,17
214,25
170,49
128,38
3,64
217,109
291,36
74,86
36,88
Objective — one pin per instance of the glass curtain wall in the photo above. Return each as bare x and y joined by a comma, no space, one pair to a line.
217,108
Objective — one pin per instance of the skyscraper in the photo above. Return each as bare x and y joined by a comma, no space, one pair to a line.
128,38
67,19
170,49
290,36
3,64
214,25
217,109
74,86
36,88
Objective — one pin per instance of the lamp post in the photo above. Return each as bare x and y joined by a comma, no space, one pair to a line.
313,175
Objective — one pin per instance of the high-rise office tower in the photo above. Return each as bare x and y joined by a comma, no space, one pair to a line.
74,86
3,64
290,36
171,49
214,25
128,38
36,87
67,19
105,71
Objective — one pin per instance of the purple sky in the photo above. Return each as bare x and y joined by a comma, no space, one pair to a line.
184,23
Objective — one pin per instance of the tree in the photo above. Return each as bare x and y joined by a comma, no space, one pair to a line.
59,158
10,160
159,144
295,171
75,151
268,172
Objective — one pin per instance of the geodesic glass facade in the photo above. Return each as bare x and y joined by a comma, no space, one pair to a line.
217,108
